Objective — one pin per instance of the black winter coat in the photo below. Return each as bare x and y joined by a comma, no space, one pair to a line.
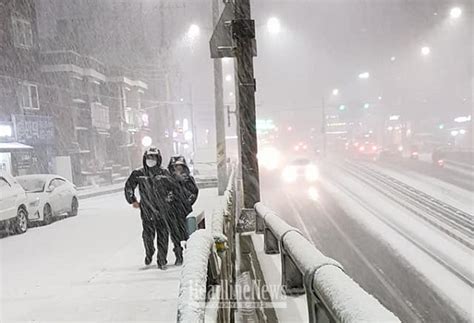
185,195
155,186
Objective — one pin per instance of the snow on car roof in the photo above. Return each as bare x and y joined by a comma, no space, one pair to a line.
44,177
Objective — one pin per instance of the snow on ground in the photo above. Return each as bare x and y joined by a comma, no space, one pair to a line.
88,268
448,193
289,309
399,229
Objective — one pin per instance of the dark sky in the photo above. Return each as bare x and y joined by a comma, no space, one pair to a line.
326,44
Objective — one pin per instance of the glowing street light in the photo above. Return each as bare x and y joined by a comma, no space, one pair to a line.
273,25
364,75
366,106
146,141
194,31
455,12
342,107
228,77
393,58
335,92
425,50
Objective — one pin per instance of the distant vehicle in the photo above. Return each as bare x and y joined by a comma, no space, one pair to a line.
49,196
414,153
366,150
13,204
392,152
300,169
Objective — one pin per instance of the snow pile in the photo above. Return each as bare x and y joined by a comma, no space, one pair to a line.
192,289
217,224
346,299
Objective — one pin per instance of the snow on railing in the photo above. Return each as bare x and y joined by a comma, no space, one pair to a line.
192,289
210,254
330,292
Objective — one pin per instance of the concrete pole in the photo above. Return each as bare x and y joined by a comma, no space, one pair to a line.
246,104
220,115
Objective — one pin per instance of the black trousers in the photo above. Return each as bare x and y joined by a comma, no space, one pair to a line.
159,227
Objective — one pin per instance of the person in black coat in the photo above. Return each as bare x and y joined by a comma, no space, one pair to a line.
156,186
184,196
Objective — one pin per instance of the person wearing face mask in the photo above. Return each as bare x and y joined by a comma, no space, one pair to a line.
184,197
155,185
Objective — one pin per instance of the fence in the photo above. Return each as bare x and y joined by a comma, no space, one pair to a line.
332,296
208,270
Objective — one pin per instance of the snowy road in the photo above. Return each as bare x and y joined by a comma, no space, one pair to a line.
341,221
86,268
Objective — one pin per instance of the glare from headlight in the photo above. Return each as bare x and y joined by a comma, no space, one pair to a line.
313,194
269,158
289,174
312,173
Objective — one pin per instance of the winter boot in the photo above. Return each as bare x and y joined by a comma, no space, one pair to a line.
161,265
179,259
148,260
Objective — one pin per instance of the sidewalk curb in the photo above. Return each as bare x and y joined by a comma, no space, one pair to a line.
100,193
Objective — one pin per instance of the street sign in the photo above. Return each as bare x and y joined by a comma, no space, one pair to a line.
222,44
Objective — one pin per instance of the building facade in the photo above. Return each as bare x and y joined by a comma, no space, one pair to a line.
26,125
100,121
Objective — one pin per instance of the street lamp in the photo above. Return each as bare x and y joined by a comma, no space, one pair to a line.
425,50
455,12
146,141
366,106
273,25
342,107
193,31
228,77
335,92
393,58
364,75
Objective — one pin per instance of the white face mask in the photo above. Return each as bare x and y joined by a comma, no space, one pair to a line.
151,162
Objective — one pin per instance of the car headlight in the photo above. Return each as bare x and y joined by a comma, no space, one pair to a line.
312,173
35,203
289,174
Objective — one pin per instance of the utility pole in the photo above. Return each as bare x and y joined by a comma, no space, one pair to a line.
243,33
220,117
234,36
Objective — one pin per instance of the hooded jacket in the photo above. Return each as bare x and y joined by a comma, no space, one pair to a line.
154,184
187,191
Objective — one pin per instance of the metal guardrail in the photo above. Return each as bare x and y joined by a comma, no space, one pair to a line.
219,262
332,296
195,220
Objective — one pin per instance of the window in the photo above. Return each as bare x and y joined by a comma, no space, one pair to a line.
3,183
125,94
29,96
57,182
22,33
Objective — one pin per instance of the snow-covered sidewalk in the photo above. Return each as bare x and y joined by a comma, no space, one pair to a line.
88,268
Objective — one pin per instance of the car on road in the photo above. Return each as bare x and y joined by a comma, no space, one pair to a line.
13,204
49,196
301,169
391,153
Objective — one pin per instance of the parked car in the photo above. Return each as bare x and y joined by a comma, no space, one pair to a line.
49,196
13,204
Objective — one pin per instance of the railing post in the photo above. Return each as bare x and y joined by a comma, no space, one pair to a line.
291,277
316,311
270,242
259,224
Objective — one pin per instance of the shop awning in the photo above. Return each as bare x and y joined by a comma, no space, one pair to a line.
10,146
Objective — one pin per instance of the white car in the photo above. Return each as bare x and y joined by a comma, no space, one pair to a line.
49,196
300,169
13,204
